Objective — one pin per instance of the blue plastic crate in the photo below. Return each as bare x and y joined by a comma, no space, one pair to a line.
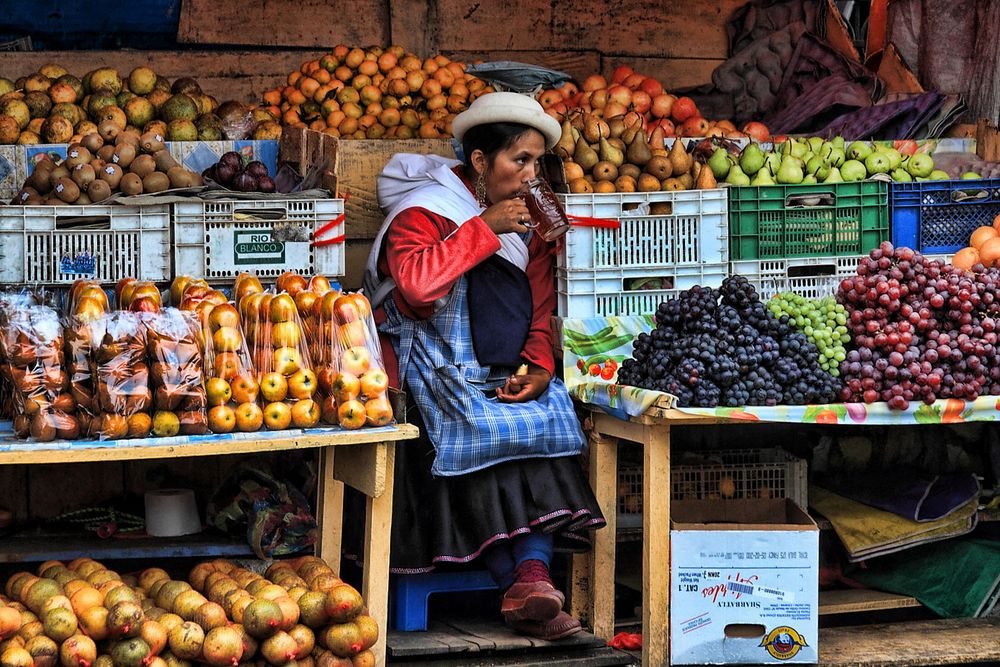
937,217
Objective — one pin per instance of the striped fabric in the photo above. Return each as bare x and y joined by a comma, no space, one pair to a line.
469,427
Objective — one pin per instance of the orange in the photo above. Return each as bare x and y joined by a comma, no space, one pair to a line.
981,235
989,252
965,258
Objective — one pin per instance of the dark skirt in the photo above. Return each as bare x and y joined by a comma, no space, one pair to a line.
437,521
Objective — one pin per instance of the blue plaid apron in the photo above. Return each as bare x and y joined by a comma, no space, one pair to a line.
469,427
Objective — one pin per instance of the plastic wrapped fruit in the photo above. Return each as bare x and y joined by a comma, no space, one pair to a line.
121,376
179,396
231,383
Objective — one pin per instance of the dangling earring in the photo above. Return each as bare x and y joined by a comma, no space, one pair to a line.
481,190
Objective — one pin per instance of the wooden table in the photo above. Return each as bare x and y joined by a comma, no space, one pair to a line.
362,458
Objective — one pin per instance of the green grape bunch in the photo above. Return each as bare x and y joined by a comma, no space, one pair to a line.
823,321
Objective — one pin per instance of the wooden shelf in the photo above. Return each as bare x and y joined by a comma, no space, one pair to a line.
38,546
854,600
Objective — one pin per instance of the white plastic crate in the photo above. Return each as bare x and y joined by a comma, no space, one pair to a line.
59,244
813,277
605,292
689,227
753,473
221,239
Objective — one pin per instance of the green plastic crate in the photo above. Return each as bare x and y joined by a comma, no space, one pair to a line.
782,221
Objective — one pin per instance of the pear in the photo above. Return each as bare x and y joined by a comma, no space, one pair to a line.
705,179
815,143
834,176
616,126
737,177
823,171
628,134
720,163
838,142
584,155
564,147
686,180
799,148
814,164
610,153
772,162
900,175
679,158
593,130
577,121
763,177
656,140
751,159
638,151
808,179
789,173
837,157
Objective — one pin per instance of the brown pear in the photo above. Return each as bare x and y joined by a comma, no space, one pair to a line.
656,140
706,180
660,167
584,155
631,129
564,147
616,126
686,180
594,129
610,153
638,150
679,158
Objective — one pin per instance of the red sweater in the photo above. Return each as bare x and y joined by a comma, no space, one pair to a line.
426,254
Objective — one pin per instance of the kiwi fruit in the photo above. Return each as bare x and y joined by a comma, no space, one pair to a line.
83,199
152,142
164,160
83,175
111,174
108,130
39,178
54,201
77,155
98,164
123,155
67,190
155,182
62,171
98,190
92,142
179,177
129,136
106,152
131,184
142,165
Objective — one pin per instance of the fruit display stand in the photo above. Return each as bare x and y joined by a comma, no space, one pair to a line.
593,574
362,458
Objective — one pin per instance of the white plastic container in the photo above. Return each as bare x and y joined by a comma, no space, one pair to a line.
59,244
221,239
813,277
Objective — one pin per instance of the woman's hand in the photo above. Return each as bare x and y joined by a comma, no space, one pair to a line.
507,216
527,387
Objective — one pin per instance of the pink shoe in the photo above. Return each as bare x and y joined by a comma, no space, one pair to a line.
537,601
561,626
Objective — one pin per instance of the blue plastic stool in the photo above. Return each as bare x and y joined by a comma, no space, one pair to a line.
411,594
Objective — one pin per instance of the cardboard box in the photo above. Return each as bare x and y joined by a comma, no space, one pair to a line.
350,167
745,583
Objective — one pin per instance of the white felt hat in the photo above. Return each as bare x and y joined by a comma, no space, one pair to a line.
507,108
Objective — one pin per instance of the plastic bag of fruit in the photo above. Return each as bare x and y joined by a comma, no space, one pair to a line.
359,387
230,380
44,409
287,381
176,373
9,302
121,376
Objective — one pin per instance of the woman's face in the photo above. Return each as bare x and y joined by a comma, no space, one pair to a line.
512,167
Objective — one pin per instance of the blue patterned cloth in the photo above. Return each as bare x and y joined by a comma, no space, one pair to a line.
468,426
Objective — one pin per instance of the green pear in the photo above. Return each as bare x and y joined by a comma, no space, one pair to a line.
838,142
853,170
825,150
789,173
772,162
939,175
834,176
815,143
799,148
720,163
737,177
900,175
814,164
837,157
858,150
895,157
823,171
971,176
751,159
809,179
763,177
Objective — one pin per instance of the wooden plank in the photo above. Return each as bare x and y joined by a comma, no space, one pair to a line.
673,73
656,547
955,641
192,473
578,64
375,577
413,25
329,509
55,489
363,467
37,547
124,450
284,22
226,75
604,480
855,600
433,642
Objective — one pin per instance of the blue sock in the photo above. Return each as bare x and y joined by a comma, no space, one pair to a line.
499,561
532,546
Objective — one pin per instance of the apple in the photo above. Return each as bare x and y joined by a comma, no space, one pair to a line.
277,416
287,360
250,305
246,284
285,334
594,82
291,282
249,417
167,397
144,304
196,290
165,424
355,360
139,425
352,334
305,413
345,386
374,382
177,286
319,284
281,308
226,366
224,315
877,163
221,419
89,309
346,309
216,298
244,389
920,165
94,291
378,411
351,414
328,410
218,391
120,288
304,301
227,339
273,387
324,377
193,422
302,384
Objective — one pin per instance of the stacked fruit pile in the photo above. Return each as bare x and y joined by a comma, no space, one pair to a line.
922,330
816,160
100,166
823,321
617,155
230,385
983,248
375,93
724,347
237,173
84,614
174,352
631,92
52,106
